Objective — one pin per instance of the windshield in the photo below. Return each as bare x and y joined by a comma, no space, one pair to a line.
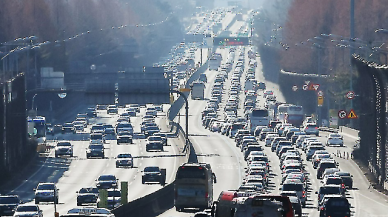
292,187
114,194
105,178
96,147
152,169
334,181
97,127
185,172
9,200
27,209
45,187
124,156
89,190
329,190
63,144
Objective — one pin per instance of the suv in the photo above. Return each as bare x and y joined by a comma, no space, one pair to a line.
335,206
46,192
153,174
64,148
328,189
311,129
347,178
124,160
87,195
298,187
106,181
324,164
8,203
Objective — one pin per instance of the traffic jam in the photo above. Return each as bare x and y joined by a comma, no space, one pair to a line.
277,143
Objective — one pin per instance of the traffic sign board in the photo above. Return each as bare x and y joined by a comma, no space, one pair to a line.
305,87
352,114
307,82
320,93
342,114
294,88
320,100
315,86
350,95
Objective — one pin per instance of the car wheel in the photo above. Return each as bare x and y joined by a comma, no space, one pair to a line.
142,181
56,155
71,155
117,166
36,201
178,209
79,204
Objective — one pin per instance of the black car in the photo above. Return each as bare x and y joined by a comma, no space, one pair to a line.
106,182
335,206
154,145
95,150
153,174
8,203
87,196
347,178
296,205
91,112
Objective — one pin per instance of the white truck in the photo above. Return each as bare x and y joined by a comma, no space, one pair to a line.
197,90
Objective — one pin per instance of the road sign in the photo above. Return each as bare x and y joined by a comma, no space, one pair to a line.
305,87
315,86
352,114
294,88
185,90
320,93
350,95
307,82
342,114
320,100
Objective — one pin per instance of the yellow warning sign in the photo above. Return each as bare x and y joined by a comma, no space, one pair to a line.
352,114
320,100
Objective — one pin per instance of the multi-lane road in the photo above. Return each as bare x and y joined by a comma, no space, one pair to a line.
228,163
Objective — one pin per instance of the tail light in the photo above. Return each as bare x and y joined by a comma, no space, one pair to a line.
343,185
304,194
322,208
316,128
206,195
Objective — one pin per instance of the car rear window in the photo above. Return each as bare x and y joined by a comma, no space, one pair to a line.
292,187
330,190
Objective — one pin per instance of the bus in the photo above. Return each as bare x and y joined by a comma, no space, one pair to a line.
214,64
294,115
281,112
37,128
193,186
258,117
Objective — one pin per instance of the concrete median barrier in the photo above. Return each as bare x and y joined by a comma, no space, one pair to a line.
149,206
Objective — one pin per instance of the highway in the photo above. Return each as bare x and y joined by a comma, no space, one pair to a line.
228,163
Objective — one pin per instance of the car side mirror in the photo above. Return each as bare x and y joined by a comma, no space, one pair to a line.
316,192
34,189
280,188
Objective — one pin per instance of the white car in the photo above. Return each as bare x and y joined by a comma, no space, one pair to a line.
28,210
335,139
64,148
